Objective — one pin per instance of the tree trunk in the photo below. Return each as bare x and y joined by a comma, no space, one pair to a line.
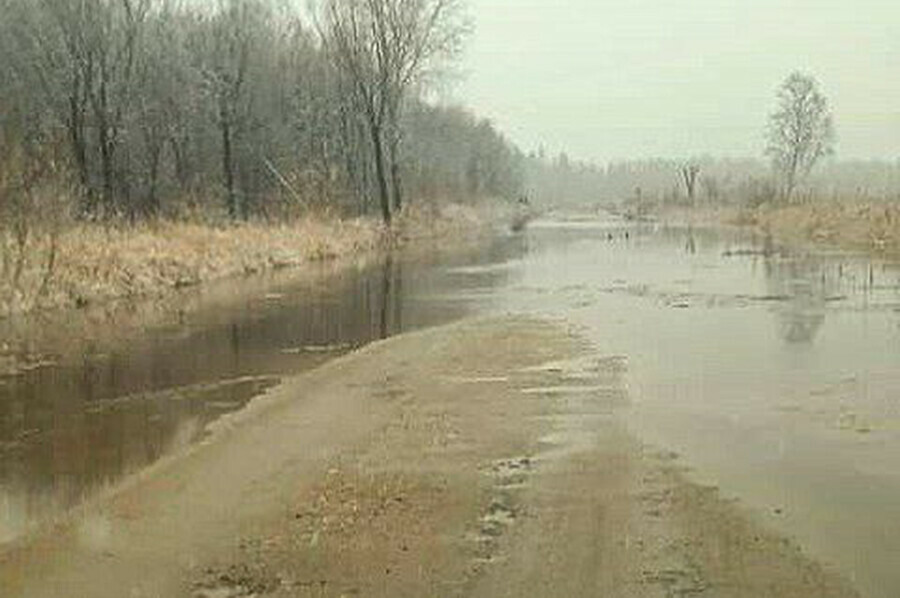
789,185
394,137
106,163
179,155
380,174
228,167
106,140
396,183
152,204
77,138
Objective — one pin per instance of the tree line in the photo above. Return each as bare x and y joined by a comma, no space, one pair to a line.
558,179
140,108
799,136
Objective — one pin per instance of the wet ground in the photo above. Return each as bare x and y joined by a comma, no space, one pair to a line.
773,373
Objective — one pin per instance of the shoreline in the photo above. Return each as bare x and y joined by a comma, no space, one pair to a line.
866,228
93,264
215,262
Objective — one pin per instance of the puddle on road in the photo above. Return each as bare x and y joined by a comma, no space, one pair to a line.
110,404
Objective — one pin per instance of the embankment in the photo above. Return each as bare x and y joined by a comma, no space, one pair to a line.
89,264
871,228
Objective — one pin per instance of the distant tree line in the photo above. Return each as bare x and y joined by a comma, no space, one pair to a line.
559,180
138,108
799,136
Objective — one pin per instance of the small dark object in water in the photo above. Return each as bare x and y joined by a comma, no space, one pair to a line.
748,252
609,236
627,236
519,222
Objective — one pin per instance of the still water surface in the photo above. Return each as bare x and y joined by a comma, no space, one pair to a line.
775,374
100,406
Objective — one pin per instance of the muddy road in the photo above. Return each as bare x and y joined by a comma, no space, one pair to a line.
620,410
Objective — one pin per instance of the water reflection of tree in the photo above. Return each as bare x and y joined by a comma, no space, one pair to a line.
801,287
691,244
391,302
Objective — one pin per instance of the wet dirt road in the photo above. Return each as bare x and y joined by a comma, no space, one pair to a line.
592,446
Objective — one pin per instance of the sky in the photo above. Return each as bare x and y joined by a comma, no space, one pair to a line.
613,79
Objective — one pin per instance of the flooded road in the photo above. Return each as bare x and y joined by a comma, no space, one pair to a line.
773,374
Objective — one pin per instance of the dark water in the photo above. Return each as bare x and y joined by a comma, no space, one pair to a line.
106,406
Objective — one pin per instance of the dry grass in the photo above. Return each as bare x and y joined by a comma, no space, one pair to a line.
871,227
868,227
94,264
434,222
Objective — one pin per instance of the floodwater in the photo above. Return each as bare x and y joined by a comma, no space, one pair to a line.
775,375
99,404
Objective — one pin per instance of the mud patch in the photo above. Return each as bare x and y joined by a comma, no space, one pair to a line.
510,473
236,581
509,478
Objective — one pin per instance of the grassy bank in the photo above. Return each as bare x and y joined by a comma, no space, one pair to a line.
87,264
872,228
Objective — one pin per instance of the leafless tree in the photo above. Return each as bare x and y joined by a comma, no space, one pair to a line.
689,173
800,131
223,53
80,58
383,48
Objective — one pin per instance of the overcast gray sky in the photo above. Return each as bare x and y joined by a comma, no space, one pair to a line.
606,79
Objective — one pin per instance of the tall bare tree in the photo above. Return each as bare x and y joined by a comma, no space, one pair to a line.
800,131
223,53
82,57
383,49
689,173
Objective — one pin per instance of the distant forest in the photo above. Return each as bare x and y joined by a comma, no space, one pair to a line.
559,180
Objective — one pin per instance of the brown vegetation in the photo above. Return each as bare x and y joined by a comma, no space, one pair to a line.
861,226
89,263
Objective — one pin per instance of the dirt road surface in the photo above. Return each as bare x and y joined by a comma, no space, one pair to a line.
484,458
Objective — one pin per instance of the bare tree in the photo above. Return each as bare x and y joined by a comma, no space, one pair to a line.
80,60
223,55
383,48
689,173
800,131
